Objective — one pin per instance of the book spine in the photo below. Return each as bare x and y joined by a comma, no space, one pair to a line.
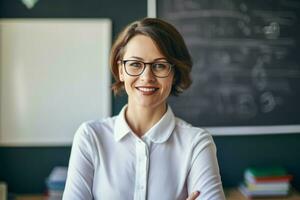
273,178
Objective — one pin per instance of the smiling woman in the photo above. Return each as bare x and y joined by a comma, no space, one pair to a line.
147,93
166,39
145,152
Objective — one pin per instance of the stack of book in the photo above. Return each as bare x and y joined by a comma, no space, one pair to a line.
56,183
264,182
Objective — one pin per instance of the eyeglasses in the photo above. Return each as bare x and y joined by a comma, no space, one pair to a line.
160,69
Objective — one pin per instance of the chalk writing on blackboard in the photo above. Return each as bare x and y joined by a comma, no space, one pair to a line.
246,61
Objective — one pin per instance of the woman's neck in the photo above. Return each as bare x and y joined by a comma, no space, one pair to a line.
140,119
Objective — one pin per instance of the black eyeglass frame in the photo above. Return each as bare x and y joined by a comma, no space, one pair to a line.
148,63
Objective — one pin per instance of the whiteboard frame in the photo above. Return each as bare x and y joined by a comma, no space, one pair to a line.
101,31
236,130
253,130
151,8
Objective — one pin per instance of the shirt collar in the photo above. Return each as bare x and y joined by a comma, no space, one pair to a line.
159,133
121,127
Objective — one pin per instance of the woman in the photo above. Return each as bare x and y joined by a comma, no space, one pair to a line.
145,152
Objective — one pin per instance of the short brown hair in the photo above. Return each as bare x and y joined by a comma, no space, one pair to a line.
169,42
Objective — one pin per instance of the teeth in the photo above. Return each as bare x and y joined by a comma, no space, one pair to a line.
147,89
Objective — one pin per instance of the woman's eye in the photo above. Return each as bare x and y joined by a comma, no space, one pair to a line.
135,64
159,66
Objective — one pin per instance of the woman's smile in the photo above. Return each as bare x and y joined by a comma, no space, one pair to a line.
147,90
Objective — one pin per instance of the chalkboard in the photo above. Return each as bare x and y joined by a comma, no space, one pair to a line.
246,70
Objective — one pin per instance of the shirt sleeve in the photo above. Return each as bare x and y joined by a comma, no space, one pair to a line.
204,175
81,169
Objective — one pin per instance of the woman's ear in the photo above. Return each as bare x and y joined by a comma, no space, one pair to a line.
121,73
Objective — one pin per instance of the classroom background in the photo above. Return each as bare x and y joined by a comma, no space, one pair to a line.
24,169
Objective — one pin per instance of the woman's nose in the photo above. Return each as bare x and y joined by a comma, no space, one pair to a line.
148,74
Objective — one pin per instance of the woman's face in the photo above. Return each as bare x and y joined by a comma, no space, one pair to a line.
145,90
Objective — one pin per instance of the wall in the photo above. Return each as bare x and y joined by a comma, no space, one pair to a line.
25,169
235,153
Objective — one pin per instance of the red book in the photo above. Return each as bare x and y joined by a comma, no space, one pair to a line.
285,178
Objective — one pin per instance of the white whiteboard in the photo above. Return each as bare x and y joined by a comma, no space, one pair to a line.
54,75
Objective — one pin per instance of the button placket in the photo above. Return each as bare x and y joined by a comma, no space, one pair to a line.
142,159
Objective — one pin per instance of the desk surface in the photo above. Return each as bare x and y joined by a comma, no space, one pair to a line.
231,194
234,194
31,197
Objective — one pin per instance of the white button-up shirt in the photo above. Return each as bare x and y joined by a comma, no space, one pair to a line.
173,159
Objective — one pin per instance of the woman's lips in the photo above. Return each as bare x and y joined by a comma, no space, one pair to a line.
147,90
